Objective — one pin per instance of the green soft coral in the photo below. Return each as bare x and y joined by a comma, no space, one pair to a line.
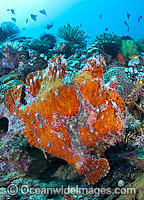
128,48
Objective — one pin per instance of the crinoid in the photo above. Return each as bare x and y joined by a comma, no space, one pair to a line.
72,34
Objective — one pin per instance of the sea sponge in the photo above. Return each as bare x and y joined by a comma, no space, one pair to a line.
129,48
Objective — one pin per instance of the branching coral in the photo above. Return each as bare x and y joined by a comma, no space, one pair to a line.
73,35
75,121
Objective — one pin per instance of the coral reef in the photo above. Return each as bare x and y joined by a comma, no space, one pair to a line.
16,158
135,102
74,120
15,152
31,183
124,84
133,62
120,58
18,59
138,185
66,173
133,137
110,43
49,38
75,40
65,48
8,29
66,124
136,74
44,44
140,44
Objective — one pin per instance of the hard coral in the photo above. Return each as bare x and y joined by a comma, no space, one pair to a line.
75,121
124,84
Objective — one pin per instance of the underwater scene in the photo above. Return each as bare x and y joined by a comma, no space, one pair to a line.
71,100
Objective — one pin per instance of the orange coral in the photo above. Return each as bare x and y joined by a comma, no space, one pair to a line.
75,121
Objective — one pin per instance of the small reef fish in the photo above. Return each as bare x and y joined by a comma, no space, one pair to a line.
49,26
100,16
128,15
13,11
126,25
33,17
133,57
139,18
14,19
140,81
106,29
43,12
26,20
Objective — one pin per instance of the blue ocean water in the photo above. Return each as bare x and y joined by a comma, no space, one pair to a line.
94,16
114,13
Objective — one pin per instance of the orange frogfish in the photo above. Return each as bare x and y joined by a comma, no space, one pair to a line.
74,118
